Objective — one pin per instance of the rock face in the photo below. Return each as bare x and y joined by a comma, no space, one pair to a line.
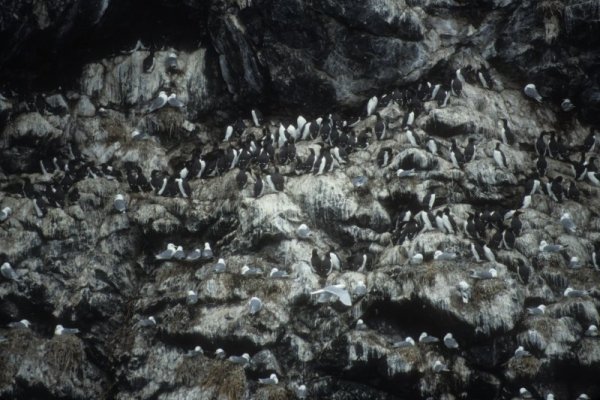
66,152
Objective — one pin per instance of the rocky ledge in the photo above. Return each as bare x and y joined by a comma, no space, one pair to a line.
428,227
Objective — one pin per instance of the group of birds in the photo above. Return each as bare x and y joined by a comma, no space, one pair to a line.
262,158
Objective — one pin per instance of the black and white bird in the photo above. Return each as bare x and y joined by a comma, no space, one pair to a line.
271,380
251,271
332,293
254,305
541,147
456,156
242,360
384,157
484,275
119,203
506,135
258,185
531,91
257,117
427,339
407,342
277,274
544,247
499,157
570,292
60,330
159,102
22,324
371,105
541,165
450,342
219,266
8,272
168,253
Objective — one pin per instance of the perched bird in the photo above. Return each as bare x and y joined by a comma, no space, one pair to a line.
450,342
506,135
168,253
425,338
192,297
484,275
592,331
8,272
531,91
575,263
242,360
159,102
179,253
219,267
303,231
277,274
567,105
193,255
520,352
271,380
197,351
22,324
220,354
119,203
171,62
550,248
539,310
371,105
407,342
329,293
570,292
207,253
360,325
60,330
499,157
438,367
147,322
255,305
5,213
444,256
525,394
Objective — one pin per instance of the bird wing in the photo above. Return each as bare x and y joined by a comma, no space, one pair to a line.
342,294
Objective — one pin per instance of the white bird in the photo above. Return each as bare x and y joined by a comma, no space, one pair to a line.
251,271
303,231
119,203
219,354
159,102
22,324
197,351
168,253
242,360
401,173
228,133
567,223
8,272
570,292
444,256
525,394
300,122
592,331
407,342
277,274
483,275
193,255
425,338
450,342
575,263
147,322
372,105
137,135
301,391
219,267
60,330
360,289
583,396
5,213
520,352
207,253
550,396
360,325
567,105
334,291
179,253
539,310
531,91
192,297
550,248
438,367
465,291
174,101
416,259
255,305
271,380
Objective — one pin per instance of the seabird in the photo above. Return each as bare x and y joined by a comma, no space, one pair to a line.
444,256
137,135
207,253
22,324
60,330
360,325
179,253
570,292
168,253
450,342
590,141
5,213
592,331
277,274
219,354
575,263
371,105
8,272
333,291
257,117
192,297
567,105
301,392
407,342
567,223
470,150
271,380
416,259
506,134
401,173
438,367
147,322
197,351
456,155
465,291
119,203
583,396
484,275
40,207
219,267
159,102
456,87
525,394
254,305
359,181
550,248
258,186
242,360
193,255
174,101
520,352
303,231
539,310
360,289
429,200
531,91
425,338
251,271
499,157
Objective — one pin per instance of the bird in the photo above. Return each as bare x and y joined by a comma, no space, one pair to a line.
60,330
456,155
338,292
371,105
567,105
506,135
539,310
438,367
520,352
360,325
465,291
570,292
407,342
575,263
179,253
242,360
5,213
192,297
277,274
257,117
531,91
8,272
220,354
301,391
592,331
251,271
271,380
484,275
444,256
303,231
22,324
550,248
174,102
525,394
567,223
207,253
171,62
450,342
147,322
193,255
470,150
219,267
159,102
197,351
119,203
168,253
425,338
499,157
255,305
